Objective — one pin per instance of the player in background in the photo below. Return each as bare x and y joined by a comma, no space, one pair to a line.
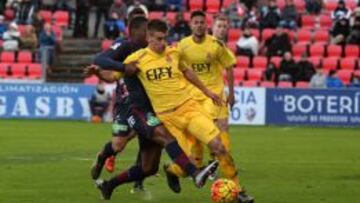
134,111
166,80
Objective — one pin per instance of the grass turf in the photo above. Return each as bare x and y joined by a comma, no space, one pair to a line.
48,161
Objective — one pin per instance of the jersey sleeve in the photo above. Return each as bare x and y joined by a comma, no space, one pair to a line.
226,56
111,59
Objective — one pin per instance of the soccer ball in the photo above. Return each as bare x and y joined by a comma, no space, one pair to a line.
224,191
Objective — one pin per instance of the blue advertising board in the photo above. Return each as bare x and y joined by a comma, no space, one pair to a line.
45,101
327,107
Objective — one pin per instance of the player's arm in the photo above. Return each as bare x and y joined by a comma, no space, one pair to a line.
110,59
193,79
107,76
230,79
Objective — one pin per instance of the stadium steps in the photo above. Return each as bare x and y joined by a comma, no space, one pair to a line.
75,55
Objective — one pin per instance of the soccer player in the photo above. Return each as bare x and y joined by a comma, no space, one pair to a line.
134,111
166,80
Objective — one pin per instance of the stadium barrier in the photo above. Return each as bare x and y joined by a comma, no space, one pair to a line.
254,106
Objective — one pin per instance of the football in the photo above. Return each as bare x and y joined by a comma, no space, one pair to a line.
224,191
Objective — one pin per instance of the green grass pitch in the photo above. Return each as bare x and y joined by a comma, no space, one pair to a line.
49,161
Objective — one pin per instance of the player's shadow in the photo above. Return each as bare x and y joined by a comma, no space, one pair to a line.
349,177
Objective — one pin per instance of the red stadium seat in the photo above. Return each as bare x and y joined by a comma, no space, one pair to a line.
156,15
299,49
93,80
239,74
61,18
300,5
321,36
345,75
171,16
4,68
348,63
24,57
22,29
209,20
256,33
304,35
317,50
242,62
196,5
46,15
9,14
106,44
18,70
250,83
280,3
267,84
232,46
7,57
234,34
187,16
308,21
35,71
330,63
315,60
331,5
58,32
213,6
325,21
267,33
285,84
334,50
302,84
255,74
260,62
276,60
352,51
226,3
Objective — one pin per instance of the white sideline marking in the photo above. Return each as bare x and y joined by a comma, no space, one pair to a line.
287,128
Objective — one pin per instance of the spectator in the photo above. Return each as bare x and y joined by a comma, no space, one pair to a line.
180,30
38,23
48,43
232,13
99,103
340,32
278,43
341,12
12,4
318,80
271,72
24,12
355,81
11,38
48,5
354,36
313,6
173,5
102,9
289,15
3,26
270,15
82,18
247,44
305,69
288,68
29,39
250,19
137,4
333,81
114,27
119,8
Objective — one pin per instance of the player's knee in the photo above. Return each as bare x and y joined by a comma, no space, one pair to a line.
150,170
217,147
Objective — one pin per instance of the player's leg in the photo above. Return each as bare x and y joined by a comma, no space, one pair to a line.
138,185
121,135
150,156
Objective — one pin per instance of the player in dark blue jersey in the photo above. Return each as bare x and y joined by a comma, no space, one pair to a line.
134,111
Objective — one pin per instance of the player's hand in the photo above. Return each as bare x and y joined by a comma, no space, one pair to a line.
216,99
91,70
231,100
131,68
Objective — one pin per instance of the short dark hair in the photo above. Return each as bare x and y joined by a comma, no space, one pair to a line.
137,22
197,13
157,25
